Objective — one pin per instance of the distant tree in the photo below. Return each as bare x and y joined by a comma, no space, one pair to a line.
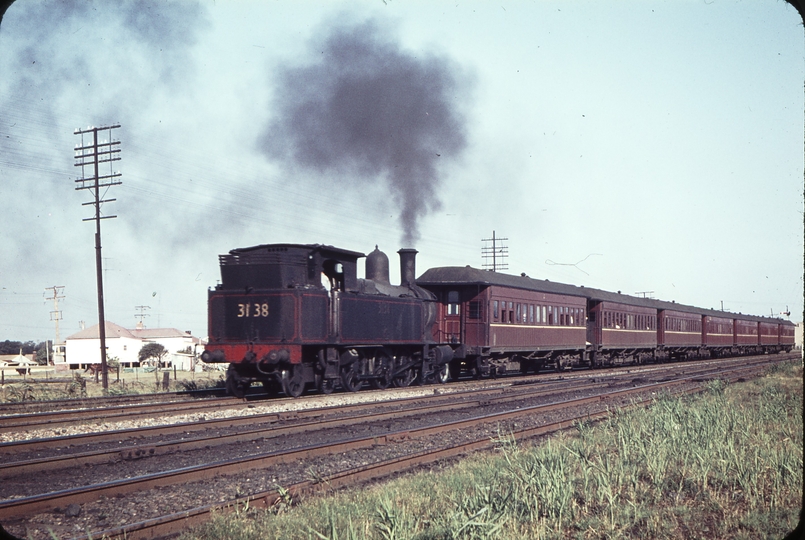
10,347
44,352
152,353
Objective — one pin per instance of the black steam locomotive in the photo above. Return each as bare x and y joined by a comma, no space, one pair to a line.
289,315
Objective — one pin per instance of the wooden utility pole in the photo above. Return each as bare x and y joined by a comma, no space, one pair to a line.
92,155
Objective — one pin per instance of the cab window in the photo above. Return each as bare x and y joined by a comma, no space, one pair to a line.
452,303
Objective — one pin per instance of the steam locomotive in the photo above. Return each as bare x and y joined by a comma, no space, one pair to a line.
294,315
290,315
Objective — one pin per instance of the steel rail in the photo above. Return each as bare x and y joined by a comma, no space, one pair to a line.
18,468
42,420
23,407
38,503
231,422
280,416
178,522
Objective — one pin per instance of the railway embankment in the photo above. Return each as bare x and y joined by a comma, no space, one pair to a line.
725,463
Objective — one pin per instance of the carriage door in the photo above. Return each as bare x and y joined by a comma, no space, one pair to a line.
595,323
452,318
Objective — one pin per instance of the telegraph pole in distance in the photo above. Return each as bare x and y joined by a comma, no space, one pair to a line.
55,315
142,315
92,155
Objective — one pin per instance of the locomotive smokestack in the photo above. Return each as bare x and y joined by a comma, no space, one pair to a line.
407,266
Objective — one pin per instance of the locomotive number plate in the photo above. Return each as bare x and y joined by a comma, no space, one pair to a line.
252,310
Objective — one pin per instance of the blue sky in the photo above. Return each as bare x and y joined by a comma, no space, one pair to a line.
633,146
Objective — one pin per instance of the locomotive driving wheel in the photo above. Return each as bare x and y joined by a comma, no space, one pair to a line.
350,379
382,369
351,361
293,383
406,377
324,385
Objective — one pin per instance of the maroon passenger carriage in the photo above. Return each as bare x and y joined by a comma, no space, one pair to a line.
787,335
493,320
497,322
620,328
679,332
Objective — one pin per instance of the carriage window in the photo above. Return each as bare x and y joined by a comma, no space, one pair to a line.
495,313
531,313
550,315
518,313
474,310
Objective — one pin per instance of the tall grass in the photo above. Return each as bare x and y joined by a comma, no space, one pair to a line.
725,464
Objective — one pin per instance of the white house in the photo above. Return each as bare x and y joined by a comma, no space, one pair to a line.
84,347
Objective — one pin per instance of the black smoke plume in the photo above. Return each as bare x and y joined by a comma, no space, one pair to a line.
364,110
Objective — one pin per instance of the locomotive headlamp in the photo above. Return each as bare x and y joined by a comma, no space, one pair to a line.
213,356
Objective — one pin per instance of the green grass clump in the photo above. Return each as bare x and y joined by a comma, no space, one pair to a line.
723,464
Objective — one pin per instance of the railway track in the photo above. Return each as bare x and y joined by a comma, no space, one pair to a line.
470,397
206,472
124,408
44,406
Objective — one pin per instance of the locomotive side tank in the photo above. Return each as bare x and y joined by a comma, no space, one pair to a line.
291,315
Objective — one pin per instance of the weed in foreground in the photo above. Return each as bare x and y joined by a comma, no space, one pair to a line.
726,464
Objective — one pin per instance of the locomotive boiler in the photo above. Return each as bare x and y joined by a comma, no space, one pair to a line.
293,315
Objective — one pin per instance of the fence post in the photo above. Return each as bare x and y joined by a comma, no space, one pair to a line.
166,379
